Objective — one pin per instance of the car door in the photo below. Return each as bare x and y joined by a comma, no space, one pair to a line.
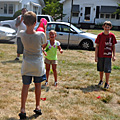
63,33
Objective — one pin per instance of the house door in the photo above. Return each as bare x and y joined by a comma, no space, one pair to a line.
87,14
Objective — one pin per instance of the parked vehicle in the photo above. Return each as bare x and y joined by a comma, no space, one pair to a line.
77,37
47,17
7,34
11,23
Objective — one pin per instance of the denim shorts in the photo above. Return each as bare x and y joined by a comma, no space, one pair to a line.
20,47
28,79
104,64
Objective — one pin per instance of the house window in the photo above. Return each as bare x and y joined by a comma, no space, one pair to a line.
117,16
101,15
35,9
10,10
97,11
75,14
113,16
107,16
5,8
75,10
25,6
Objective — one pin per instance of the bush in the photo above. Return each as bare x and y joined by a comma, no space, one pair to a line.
17,13
2,18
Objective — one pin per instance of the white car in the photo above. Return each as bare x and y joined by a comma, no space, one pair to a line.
7,34
11,23
74,37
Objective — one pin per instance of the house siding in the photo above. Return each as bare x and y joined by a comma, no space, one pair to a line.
17,5
91,5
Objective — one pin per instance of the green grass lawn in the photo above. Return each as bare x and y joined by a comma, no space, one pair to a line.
75,98
116,32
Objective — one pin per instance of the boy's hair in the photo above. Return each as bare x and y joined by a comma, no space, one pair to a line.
53,31
107,23
29,18
24,9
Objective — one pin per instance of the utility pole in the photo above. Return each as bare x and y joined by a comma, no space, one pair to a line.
70,23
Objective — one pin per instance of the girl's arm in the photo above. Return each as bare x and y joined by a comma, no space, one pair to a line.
43,47
60,49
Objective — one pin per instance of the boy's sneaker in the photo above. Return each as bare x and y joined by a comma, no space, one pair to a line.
17,58
100,83
106,86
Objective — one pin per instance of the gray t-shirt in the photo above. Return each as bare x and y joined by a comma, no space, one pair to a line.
33,62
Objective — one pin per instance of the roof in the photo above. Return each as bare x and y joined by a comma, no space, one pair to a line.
42,3
61,1
108,9
10,0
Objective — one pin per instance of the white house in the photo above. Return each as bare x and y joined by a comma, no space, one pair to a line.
91,11
9,7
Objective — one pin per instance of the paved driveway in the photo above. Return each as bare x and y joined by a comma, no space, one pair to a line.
118,46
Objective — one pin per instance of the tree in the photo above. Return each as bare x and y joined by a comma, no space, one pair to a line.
118,10
53,8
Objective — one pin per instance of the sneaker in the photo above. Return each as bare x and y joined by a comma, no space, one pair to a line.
46,83
55,84
106,86
17,58
100,83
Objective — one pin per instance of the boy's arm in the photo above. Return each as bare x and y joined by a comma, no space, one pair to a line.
113,57
60,49
18,21
43,47
38,25
96,52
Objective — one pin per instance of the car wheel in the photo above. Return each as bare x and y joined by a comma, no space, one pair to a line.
86,45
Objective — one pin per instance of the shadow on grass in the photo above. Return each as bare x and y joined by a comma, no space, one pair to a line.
34,116
12,118
92,88
74,47
42,87
11,61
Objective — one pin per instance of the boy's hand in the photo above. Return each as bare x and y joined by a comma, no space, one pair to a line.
113,58
21,18
96,59
61,51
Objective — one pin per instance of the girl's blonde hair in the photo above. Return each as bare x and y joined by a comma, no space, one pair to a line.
53,31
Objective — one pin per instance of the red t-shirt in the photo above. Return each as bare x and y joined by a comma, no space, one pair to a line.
106,43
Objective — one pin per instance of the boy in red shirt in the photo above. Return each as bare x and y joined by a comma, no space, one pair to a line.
104,51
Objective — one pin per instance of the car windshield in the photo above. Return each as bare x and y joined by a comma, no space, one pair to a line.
76,29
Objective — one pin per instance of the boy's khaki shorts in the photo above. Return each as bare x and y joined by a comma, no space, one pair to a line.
50,61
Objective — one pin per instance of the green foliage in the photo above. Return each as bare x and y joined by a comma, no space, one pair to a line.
1,54
118,10
2,18
53,8
17,13
116,67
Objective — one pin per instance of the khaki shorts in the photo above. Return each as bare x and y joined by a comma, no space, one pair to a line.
50,61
